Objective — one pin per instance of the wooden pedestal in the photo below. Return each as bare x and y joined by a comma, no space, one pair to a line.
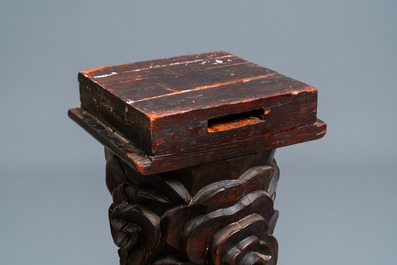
189,144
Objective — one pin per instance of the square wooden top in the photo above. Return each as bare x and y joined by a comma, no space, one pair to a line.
199,107
193,82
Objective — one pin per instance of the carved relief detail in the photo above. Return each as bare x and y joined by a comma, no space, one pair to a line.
155,220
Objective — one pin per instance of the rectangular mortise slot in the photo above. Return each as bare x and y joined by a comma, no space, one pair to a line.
236,120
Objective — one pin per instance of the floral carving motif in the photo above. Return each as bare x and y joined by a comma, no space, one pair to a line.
156,220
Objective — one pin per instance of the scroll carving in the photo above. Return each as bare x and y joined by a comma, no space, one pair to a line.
157,220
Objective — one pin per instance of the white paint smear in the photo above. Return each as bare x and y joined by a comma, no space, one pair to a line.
102,76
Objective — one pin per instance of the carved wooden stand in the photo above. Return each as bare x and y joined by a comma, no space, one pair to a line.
189,144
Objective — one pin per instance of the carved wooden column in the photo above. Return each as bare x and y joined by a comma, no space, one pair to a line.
189,145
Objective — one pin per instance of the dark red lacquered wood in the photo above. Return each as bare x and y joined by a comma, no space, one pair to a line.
195,109
189,145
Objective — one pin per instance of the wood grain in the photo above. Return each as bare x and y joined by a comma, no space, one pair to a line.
189,147
224,147
179,111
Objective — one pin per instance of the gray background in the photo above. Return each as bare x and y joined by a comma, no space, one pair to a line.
336,196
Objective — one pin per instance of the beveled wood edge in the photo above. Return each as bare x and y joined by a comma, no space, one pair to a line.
148,165
112,140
